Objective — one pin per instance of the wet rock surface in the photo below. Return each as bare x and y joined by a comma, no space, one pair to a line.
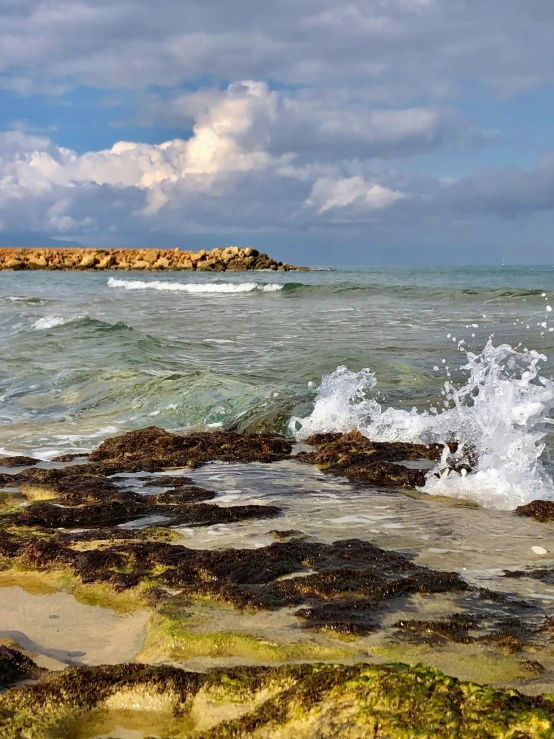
18,461
105,527
370,462
344,585
154,449
540,510
109,524
382,464
16,667
511,634
322,700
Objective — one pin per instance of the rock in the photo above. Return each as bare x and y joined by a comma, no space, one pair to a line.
154,449
305,701
14,264
217,260
16,667
88,261
540,510
150,255
106,262
38,262
365,461
18,461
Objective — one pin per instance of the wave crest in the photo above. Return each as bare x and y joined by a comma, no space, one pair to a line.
195,287
47,322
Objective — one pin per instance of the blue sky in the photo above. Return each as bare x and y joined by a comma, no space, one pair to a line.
383,131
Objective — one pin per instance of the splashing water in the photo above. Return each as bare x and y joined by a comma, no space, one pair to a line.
501,416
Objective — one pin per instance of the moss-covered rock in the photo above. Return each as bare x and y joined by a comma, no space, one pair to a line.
301,701
380,463
16,666
154,449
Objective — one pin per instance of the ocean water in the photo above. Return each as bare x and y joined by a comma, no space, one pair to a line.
415,354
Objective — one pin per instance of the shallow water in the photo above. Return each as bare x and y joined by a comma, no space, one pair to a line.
55,625
440,534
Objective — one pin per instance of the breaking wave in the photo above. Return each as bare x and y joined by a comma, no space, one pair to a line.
52,321
500,417
195,287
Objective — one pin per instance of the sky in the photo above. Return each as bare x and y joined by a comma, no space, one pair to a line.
322,131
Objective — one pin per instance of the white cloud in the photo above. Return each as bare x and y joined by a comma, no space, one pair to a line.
259,160
352,193
246,129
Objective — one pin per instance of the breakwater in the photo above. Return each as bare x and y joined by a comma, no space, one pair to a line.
229,259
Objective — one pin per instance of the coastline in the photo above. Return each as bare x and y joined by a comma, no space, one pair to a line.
253,565
229,259
239,642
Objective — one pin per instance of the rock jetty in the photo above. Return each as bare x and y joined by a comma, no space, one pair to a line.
230,259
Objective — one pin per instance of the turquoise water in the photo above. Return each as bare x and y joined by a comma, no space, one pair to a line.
86,355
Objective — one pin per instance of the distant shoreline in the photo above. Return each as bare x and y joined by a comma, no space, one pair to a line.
229,259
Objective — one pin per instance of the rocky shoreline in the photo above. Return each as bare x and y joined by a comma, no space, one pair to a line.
229,259
298,637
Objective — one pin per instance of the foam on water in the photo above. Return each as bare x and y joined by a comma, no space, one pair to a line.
52,321
501,414
195,287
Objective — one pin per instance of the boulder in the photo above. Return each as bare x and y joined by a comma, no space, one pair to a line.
150,255
107,262
540,510
88,261
14,264
38,261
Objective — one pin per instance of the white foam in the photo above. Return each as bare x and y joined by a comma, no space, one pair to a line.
502,412
52,321
195,287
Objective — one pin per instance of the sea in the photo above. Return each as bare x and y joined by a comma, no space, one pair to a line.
415,354
401,354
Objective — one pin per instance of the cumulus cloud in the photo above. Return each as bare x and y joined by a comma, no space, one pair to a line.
246,132
350,195
337,124
246,166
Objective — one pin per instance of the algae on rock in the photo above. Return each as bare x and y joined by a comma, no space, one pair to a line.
301,701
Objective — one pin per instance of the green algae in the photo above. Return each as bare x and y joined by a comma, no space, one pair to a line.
176,639
302,701
472,662
38,582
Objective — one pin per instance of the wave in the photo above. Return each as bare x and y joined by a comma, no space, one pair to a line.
47,322
25,299
195,287
354,289
500,416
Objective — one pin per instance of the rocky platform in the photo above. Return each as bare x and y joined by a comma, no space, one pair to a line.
230,259
278,637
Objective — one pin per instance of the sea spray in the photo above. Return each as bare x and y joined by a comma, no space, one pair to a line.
500,417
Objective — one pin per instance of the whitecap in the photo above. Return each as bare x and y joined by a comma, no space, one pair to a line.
501,415
52,321
195,287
